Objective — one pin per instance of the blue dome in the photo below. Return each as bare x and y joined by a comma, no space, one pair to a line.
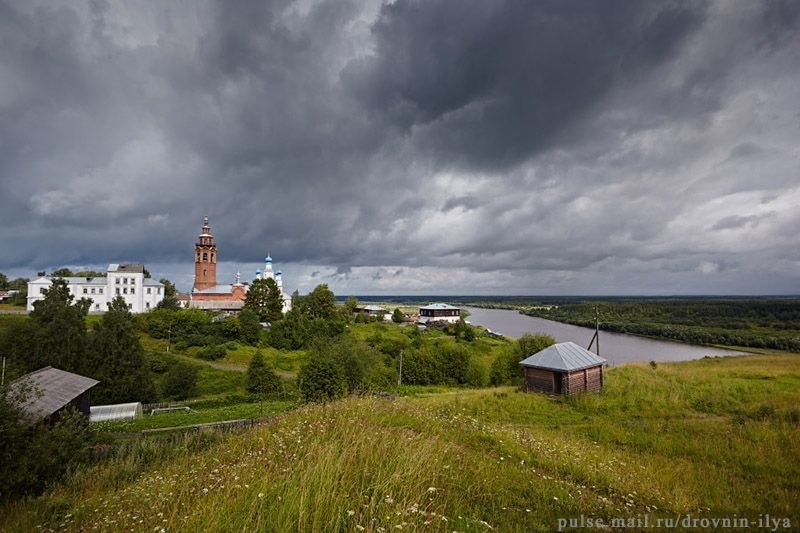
278,273
258,272
268,259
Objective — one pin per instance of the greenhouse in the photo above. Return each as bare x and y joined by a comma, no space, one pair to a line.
122,411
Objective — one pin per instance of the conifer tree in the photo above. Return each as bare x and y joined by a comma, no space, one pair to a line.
117,358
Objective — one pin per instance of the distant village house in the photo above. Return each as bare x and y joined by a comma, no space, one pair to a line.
439,312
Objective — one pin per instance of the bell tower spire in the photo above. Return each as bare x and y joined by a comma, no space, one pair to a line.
205,259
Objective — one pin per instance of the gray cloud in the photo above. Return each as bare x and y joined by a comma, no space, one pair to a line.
552,147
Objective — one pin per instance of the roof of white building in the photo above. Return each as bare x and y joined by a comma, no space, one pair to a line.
438,306
133,268
564,356
149,282
222,305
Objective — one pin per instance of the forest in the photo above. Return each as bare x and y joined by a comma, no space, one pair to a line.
772,323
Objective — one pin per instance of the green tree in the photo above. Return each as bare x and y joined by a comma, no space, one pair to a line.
117,358
321,380
170,300
59,330
349,307
397,316
3,281
62,272
180,381
265,299
249,327
261,380
320,303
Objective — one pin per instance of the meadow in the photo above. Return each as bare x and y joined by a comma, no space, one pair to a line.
713,437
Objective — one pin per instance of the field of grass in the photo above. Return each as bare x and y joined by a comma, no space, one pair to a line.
714,437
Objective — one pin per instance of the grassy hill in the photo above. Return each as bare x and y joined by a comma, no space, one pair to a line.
714,437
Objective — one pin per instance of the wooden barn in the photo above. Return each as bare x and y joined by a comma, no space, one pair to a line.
563,368
50,390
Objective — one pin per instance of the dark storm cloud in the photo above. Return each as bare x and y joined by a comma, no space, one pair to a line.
469,146
493,82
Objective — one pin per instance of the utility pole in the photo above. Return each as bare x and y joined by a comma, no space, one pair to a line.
597,328
3,379
400,376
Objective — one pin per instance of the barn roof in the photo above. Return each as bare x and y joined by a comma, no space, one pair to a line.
53,389
564,356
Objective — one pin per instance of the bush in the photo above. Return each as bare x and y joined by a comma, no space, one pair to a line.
212,353
321,380
180,382
261,380
505,368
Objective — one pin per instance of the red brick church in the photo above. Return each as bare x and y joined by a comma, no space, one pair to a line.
206,294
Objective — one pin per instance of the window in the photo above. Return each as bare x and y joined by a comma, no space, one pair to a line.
159,290
93,290
117,291
125,290
212,258
41,290
148,290
97,306
116,280
130,306
133,281
205,256
124,281
101,290
133,290
147,305
85,290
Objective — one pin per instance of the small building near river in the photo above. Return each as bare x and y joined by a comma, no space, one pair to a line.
563,368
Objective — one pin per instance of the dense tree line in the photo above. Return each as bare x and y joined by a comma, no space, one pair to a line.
750,322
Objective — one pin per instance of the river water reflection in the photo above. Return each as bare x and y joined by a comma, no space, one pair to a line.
615,347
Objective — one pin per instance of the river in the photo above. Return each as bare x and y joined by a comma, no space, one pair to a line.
614,347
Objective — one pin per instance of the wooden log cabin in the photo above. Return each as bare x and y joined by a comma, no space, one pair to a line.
48,391
563,368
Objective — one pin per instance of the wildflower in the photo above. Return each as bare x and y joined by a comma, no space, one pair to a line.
555,498
260,494
350,513
431,489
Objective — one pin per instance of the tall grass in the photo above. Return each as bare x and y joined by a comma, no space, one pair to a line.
710,438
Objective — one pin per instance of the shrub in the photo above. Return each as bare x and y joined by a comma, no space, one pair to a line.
322,379
212,353
181,381
261,379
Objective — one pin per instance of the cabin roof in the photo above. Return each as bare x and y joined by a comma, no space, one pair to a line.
564,356
53,389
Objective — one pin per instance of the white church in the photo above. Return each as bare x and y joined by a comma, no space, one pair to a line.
126,280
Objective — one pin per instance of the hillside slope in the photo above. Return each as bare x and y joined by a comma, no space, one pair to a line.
714,437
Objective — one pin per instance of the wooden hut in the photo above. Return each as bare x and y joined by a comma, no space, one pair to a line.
563,368
50,390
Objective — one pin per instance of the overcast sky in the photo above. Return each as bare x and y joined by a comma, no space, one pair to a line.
408,147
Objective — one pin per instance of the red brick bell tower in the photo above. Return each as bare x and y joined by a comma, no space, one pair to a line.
205,259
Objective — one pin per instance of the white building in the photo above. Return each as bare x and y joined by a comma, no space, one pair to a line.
126,280
439,312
